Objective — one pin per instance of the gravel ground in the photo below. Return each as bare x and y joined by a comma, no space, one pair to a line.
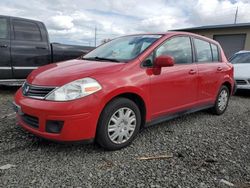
205,151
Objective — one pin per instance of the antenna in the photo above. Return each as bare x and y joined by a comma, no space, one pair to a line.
236,15
95,35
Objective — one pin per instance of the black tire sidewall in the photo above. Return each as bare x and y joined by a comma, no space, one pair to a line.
102,128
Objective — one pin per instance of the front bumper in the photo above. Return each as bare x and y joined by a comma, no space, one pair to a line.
243,86
79,117
242,83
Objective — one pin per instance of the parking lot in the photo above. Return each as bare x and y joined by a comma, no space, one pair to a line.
199,150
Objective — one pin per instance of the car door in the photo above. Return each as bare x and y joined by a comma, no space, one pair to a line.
5,60
29,49
210,70
174,88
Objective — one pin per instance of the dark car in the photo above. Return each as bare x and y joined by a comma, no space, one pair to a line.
25,46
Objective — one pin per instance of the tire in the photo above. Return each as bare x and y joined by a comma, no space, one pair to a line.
118,124
221,102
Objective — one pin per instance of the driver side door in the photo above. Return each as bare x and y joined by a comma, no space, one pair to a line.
175,88
5,60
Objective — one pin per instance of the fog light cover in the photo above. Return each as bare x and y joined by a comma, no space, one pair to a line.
54,126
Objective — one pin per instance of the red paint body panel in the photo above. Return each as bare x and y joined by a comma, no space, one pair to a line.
210,79
77,118
173,88
164,90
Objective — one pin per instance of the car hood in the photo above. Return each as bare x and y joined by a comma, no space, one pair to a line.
242,70
58,74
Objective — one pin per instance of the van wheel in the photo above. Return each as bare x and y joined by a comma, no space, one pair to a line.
221,102
118,125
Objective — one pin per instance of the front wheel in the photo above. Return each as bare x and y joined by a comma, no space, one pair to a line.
221,102
119,124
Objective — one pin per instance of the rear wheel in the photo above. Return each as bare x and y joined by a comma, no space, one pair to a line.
221,102
119,124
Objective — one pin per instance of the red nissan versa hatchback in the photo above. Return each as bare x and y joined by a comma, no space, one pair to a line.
130,82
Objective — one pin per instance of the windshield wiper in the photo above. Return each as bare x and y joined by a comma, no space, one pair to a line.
101,58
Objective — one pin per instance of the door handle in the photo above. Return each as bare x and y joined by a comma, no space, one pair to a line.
40,48
192,71
219,69
3,46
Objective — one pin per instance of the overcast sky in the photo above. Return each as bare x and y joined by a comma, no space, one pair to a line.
73,21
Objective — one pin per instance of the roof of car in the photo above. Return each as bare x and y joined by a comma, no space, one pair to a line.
191,34
170,32
20,18
242,52
179,33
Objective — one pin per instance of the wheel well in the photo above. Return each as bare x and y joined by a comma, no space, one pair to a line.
229,86
140,103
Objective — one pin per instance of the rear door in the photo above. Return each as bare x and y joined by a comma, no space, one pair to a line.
210,70
5,60
29,49
174,88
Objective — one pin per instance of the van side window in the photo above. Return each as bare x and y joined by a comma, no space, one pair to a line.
179,48
3,28
203,51
215,52
25,30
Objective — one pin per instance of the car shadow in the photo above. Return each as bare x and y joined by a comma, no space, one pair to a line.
8,89
23,140
243,93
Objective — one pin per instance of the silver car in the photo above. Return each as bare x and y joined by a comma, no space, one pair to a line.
241,62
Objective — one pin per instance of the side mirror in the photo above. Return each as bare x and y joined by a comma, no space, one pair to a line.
164,61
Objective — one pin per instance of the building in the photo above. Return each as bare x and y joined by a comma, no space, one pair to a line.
232,37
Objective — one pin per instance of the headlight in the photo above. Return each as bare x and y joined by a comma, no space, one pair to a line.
74,90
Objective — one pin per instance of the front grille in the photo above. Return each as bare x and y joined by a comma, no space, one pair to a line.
241,82
32,121
38,92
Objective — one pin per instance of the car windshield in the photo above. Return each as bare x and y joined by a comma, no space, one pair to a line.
240,58
122,49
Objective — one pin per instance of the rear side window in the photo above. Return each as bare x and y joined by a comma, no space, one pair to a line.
215,52
203,51
3,28
25,30
179,48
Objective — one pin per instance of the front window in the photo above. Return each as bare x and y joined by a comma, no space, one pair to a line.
123,48
179,48
240,58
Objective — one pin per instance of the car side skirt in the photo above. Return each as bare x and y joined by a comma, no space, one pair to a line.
12,82
177,114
